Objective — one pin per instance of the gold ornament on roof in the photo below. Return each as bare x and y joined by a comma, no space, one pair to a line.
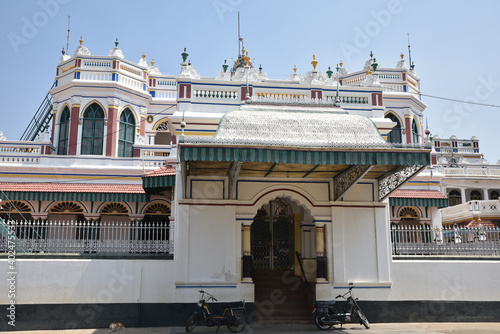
402,56
247,58
314,62
341,63
81,40
152,62
295,69
144,56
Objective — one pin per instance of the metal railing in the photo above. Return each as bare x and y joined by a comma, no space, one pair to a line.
62,237
447,240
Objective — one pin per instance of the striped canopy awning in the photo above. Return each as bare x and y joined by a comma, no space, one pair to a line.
426,198
72,192
159,179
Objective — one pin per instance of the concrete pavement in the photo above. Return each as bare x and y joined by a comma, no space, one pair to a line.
420,328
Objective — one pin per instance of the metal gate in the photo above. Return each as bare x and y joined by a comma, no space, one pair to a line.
273,236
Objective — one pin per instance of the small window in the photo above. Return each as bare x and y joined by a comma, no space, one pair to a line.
93,130
126,136
454,197
395,135
414,131
475,195
62,146
494,194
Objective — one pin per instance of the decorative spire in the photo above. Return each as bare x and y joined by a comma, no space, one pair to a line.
152,62
143,56
402,55
341,63
63,52
260,68
374,64
116,43
371,54
314,62
247,59
337,98
225,66
329,72
295,69
81,40
184,55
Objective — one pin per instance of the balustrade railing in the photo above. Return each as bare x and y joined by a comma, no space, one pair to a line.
166,95
62,237
215,94
470,210
448,240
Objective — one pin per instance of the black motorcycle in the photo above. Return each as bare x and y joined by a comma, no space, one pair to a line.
325,314
233,314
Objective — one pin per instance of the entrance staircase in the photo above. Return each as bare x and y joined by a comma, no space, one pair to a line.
282,298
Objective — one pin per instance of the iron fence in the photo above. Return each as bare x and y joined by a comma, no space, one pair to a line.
86,237
447,240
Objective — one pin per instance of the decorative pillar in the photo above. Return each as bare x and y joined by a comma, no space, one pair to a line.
74,124
462,192
54,117
320,254
111,140
409,133
247,257
486,196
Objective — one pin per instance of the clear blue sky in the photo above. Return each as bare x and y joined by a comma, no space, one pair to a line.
455,46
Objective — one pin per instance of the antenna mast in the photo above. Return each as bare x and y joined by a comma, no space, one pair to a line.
409,51
239,37
67,39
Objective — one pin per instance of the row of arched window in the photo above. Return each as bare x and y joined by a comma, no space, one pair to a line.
92,140
395,136
455,198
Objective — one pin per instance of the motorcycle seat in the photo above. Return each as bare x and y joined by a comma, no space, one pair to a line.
325,303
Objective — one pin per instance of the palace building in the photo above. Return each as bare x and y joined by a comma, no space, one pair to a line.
131,189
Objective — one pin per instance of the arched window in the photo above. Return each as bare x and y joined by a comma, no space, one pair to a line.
454,198
475,195
15,210
126,136
156,222
395,135
93,130
494,194
62,146
414,131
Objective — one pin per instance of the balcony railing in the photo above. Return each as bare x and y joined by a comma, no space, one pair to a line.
471,210
449,240
59,237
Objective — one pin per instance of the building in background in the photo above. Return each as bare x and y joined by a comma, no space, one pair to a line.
139,187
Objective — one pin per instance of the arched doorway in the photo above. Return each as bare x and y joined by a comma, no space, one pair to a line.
272,235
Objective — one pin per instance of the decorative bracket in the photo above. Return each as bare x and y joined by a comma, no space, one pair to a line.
391,181
233,174
345,180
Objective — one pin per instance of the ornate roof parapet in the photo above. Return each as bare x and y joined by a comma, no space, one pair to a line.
116,51
294,76
401,65
287,100
64,56
142,62
81,50
152,70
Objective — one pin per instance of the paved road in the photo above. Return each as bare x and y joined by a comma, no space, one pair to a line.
420,328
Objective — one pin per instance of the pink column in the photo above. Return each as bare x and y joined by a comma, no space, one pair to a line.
73,128
112,131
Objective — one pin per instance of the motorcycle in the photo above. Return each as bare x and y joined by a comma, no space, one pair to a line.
233,315
326,315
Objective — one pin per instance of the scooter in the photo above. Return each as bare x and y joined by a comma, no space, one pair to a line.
233,315
326,315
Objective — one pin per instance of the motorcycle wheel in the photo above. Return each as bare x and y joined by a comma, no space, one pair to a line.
363,319
318,320
192,322
237,323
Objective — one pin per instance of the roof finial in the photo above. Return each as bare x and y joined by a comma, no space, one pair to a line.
116,42
81,40
341,63
63,52
152,62
402,55
225,66
143,56
314,62
184,55
294,68
329,72
371,54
